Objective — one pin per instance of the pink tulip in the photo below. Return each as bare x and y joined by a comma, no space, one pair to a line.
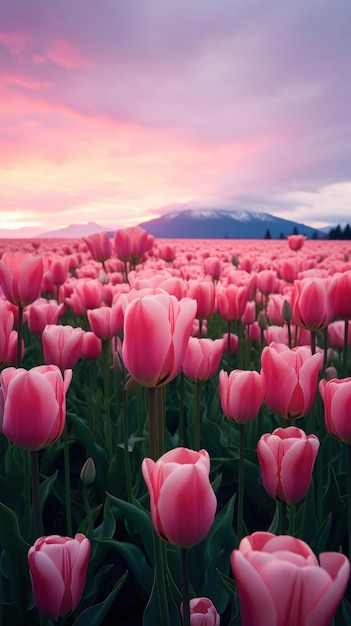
202,612
213,267
286,459
313,302
58,567
20,277
290,379
342,295
131,244
34,404
204,293
336,396
249,315
156,334
296,242
42,313
182,501
91,346
58,269
202,358
241,394
267,281
90,293
6,326
281,583
233,342
106,321
12,349
99,246
62,345
231,301
336,332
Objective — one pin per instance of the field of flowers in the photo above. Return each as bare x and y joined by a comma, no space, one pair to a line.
175,431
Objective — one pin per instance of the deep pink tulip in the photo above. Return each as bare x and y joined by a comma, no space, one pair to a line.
231,301
43,312
59,270
232,344
290,379
213,267
267,281
99,246
91,346
62,345
20,277
336,396
34,404
167,252
6,326
249,315
286,458
336,332
342,295
202,358
106,321
156,334
58,567
296,242
90,293
182,501
241,394
202,612
204,293
289,269
131,243
281,583
313,302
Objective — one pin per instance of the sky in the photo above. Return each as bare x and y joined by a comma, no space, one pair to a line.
117,111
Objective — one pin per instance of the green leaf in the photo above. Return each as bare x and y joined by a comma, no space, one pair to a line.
139,522
15,550
135,559
94,615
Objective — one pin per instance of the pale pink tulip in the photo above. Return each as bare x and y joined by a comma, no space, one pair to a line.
20,277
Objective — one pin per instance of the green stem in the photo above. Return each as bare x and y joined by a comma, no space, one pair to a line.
181,411
197,416
126,449
67,481
313,341
19,336
185,586
284,517
241,482
160,421
229,326
292,519
89,532
160,579
152,423
289,335
108,429
38,524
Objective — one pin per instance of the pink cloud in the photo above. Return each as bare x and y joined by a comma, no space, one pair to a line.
63,54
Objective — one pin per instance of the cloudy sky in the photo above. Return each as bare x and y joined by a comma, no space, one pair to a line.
116,111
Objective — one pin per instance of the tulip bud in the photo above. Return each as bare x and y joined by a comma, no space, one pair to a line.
262,321
287,312
88,472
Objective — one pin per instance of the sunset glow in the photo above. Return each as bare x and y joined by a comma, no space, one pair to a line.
113,116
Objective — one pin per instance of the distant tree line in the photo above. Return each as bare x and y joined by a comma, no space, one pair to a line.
339,233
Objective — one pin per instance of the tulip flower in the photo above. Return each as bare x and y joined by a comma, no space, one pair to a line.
286,458
182,501
156,334
290,379
336,396
313,302
44,312
99,246
281,583
202,612
20,277
91,346
90,293
295,242
131,244
106,322
34,404
62,345
203,291
232,301
241,394
58,567
6,325
202,358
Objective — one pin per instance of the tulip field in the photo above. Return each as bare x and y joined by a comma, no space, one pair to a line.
175,431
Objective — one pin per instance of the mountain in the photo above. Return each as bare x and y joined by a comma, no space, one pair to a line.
75,231
220,224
